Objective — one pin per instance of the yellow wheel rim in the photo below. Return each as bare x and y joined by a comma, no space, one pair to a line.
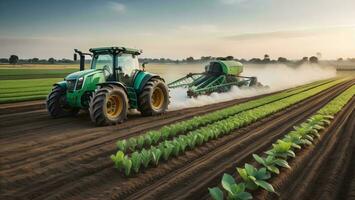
157,98
114,106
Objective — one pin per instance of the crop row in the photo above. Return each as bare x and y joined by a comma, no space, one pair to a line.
178,145
169,131
253,178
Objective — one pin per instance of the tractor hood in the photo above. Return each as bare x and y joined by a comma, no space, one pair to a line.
79,74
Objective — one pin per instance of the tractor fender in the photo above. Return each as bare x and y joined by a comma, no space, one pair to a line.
62,84
142,78
113,83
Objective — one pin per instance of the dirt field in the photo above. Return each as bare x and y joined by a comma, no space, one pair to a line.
42,158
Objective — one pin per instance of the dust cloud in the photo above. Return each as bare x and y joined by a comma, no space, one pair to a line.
276,76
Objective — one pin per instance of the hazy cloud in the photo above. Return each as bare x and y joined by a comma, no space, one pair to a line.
291,33
117,7
230,2
202,28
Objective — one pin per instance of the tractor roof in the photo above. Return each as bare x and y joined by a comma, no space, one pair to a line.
115,49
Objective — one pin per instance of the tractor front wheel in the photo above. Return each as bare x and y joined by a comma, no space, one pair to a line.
108,106
56,103
154,98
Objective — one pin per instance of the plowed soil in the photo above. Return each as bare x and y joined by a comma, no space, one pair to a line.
42,158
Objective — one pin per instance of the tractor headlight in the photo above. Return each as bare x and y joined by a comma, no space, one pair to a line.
79,84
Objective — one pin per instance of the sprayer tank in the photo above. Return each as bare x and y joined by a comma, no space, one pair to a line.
228,67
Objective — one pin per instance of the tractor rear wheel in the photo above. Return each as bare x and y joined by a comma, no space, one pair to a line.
154,99
56,103
108,106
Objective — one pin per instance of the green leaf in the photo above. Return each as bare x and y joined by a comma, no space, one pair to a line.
140,141
118,159
259,159
267,186
227,182
156,154
273,169
262,174
122,145
136,161
250,169
146,157
242,172
244,196
291,153
216,193
132,143
127,164
282,163
147,140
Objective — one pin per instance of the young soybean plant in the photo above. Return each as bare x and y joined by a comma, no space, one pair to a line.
271,163
281,149
234,190
122,162
255,178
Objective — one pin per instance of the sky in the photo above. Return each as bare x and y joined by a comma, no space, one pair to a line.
179,28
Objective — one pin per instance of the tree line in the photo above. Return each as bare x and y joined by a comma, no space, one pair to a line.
14,59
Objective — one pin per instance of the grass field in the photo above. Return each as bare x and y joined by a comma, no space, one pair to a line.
30,82
26,89
39,66
17,74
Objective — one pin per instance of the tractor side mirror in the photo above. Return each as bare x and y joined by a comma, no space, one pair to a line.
143,65
75,57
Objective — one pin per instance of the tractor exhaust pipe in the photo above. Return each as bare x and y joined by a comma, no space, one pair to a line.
82,58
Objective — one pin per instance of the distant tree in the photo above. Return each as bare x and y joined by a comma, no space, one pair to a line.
51,60
304,59
282,60
229,58
266,58
4,60
205,58
190,59
242,60
34,60
220,58
255,60
13,59
340,59
313,59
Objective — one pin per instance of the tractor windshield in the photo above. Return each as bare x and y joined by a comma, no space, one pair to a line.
103,61
126,63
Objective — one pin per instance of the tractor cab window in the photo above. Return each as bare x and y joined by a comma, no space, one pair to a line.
104,62
128,63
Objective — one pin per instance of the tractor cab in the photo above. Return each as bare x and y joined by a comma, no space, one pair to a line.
117,64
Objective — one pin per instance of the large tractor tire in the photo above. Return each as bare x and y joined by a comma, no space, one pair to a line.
109,106
154,98
56,103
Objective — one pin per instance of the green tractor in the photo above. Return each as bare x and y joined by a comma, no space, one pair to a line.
114,84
